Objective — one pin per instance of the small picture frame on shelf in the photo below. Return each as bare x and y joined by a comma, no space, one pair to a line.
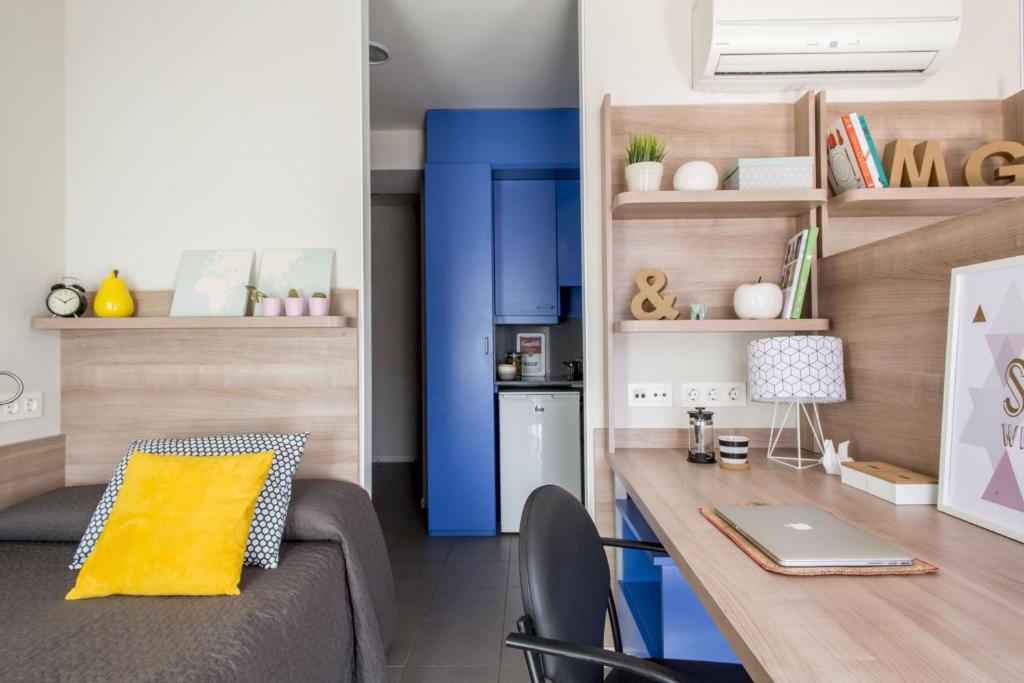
212,282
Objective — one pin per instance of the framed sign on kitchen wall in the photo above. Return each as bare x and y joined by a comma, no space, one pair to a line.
981,473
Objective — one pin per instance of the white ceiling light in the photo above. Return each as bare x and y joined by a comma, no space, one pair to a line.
378,53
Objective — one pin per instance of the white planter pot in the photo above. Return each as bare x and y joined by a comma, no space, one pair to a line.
644,176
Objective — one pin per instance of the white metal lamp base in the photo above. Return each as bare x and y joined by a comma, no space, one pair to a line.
798,461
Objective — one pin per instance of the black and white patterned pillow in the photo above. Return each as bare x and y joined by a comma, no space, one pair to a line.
271,506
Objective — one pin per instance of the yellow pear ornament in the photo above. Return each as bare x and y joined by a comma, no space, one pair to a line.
113,300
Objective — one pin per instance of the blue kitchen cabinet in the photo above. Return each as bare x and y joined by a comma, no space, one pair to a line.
569,258
525,251
509,140
459,365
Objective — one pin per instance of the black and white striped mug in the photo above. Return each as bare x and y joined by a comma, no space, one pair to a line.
733,449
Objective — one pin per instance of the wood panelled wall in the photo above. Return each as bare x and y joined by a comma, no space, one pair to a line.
30,468
122,385
888,302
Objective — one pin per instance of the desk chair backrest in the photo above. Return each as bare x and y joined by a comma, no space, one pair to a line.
564,577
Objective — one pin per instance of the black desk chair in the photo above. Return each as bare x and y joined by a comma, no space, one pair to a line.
567,589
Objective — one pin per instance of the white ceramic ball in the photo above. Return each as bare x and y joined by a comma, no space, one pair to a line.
757,301
695,175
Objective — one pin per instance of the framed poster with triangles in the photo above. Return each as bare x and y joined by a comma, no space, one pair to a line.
981,473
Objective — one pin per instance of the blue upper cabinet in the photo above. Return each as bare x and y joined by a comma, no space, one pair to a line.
525,252
459,357
569,256
505,138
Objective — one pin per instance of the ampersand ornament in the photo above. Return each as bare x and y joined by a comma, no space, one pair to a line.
649,304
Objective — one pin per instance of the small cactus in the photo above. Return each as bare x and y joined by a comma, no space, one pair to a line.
255,294
294,294
319,295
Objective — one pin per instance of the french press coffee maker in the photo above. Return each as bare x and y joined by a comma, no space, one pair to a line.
701,436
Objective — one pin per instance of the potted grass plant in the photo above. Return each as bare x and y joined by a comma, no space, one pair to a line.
270,306
644,155
294,304
319,304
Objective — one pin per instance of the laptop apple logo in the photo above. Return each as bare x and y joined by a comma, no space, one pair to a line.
799,526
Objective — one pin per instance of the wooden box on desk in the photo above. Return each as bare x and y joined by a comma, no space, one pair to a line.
894,484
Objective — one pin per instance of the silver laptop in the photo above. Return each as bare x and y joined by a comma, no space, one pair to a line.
805,536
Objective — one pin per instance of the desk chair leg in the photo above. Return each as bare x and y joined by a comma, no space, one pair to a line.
534,665
613,617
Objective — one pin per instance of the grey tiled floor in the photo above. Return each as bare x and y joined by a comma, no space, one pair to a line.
457,597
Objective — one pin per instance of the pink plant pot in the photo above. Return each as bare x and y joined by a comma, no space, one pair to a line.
270,306
294,306
319,305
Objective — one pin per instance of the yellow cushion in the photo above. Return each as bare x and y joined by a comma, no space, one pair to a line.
179,527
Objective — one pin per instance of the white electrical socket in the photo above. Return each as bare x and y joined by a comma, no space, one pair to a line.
714,394
28,405
649,395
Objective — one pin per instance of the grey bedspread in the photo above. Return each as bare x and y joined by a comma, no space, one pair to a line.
325,614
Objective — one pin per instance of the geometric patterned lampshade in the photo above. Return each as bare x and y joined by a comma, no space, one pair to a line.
798,369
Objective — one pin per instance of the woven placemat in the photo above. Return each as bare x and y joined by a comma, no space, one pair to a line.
768,564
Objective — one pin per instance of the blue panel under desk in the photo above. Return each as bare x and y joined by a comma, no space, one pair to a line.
459,353
668,615
532,138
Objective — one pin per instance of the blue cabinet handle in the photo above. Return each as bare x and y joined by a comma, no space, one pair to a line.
487,345
545,307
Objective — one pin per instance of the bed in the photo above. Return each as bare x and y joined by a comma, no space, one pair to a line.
326,613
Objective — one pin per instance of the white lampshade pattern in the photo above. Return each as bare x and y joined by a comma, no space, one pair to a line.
797,369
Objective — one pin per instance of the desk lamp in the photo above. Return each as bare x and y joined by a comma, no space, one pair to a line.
796,371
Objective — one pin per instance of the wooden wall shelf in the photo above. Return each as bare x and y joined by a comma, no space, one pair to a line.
191,323
775,325
716,204
920,201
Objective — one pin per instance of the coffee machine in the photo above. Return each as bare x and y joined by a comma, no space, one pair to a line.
701,436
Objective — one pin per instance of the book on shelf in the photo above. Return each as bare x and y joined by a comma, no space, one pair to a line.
853,160
796,271
792,259
810,249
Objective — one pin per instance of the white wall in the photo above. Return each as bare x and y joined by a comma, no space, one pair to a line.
639,52
397,149
212,124
31,200
397,357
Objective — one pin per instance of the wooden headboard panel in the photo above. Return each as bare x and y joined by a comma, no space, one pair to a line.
888,302
122,385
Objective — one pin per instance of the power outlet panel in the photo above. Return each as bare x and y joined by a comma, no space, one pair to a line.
714,394
649,395
29,405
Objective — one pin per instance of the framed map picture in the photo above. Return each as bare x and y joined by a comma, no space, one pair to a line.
212,282
981,473
307,270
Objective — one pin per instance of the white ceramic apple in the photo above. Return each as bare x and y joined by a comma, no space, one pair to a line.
757,301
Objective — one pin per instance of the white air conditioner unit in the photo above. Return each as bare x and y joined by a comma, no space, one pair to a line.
796,44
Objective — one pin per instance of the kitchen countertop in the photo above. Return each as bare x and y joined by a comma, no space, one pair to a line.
539,382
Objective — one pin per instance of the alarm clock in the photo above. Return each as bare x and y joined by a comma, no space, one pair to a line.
67,299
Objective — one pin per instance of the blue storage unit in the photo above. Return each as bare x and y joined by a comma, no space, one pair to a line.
525,252
668,615
470,156
570,265
459,342
515,139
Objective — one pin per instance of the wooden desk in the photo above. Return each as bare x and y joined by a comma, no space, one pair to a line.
965,623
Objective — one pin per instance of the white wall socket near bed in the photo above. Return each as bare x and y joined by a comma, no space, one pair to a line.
714,394
28,406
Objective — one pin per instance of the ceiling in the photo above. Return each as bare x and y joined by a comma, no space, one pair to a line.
471,53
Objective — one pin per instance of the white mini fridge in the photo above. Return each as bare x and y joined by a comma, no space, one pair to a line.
539,443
